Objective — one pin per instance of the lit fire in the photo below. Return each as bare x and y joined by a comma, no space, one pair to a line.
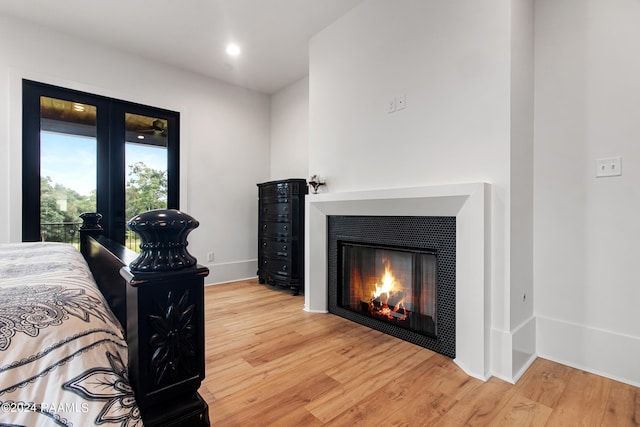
388,283
393,294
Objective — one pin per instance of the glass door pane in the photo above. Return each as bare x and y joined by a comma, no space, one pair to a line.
146,167
68,160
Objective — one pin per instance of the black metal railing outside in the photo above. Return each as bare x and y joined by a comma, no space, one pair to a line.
64,232
68,232
132,240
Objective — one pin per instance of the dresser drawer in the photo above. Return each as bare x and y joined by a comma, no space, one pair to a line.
275,248
276,211
275,266
278,229
275,190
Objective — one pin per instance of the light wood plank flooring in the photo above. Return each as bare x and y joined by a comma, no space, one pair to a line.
269,363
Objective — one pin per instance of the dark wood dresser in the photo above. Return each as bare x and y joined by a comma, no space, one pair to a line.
281,233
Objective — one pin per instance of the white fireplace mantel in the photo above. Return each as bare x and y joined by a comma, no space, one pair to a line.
469,203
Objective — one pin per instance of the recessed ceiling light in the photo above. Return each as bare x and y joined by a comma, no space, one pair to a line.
233,49
78,107
140,136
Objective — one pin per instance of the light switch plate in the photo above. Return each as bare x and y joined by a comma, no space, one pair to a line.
609,166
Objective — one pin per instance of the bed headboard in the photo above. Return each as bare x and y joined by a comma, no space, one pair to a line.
158,296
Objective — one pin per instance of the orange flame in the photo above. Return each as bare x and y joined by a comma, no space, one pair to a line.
388,283
390,287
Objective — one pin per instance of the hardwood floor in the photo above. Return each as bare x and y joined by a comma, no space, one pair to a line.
269,363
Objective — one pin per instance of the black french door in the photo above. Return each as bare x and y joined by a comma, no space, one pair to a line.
81,150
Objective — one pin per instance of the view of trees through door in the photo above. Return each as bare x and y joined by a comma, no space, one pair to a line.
66,190
146,168
93,154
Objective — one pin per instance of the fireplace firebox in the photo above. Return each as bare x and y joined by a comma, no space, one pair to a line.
394,285
395,274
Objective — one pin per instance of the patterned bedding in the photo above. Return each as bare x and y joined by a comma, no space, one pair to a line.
63,356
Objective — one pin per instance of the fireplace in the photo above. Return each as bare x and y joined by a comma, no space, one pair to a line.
395,274
469,204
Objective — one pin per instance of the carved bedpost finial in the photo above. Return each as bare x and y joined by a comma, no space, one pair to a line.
90,228
163,233
91,221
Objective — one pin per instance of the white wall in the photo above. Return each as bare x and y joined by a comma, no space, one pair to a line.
224,135
587,229
453,62
290,131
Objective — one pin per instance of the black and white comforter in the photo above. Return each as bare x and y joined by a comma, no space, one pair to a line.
63,356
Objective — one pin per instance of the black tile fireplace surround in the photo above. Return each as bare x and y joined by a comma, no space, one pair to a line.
431,233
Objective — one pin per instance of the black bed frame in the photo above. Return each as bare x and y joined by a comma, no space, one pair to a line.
158,297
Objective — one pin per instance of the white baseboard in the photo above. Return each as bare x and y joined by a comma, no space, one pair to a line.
469,372
512,352
314,311
528,361
523,348
231,271
501,355
605,353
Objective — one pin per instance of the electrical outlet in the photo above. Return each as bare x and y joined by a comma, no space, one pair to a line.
401,102
391,105
209,256
610,166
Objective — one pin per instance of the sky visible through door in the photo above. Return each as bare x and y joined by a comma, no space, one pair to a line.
70,160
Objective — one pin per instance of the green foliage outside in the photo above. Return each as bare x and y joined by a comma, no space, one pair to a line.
60,209
146,189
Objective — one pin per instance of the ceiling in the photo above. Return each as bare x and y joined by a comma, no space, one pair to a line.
192,34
